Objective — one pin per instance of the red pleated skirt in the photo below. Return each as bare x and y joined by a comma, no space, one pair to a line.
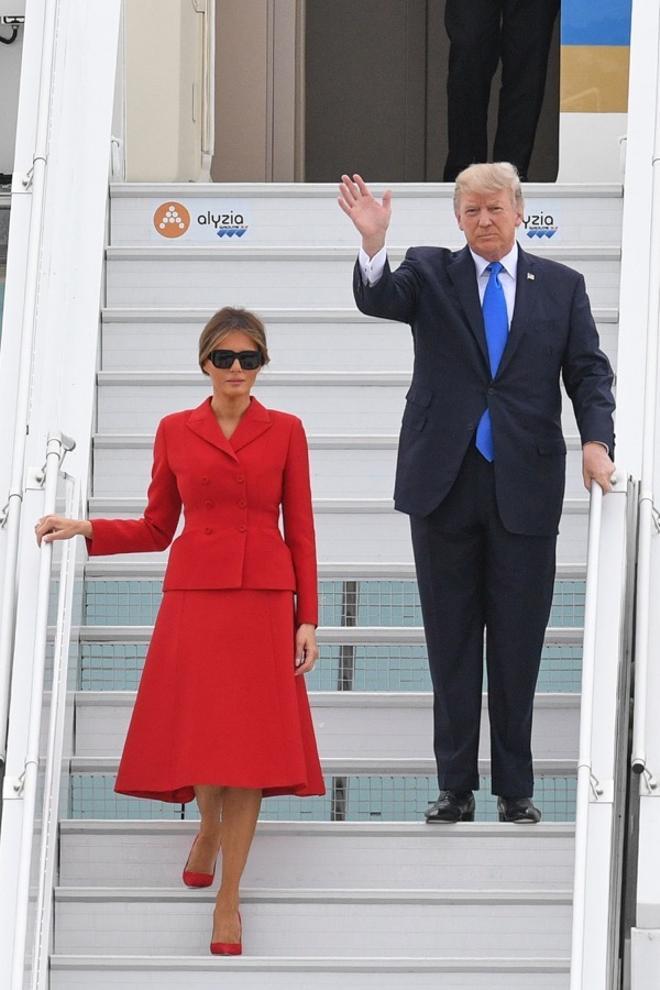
219,703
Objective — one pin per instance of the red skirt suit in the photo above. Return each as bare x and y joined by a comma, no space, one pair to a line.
218,701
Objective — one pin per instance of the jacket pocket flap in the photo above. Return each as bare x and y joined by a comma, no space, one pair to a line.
419,395
557,446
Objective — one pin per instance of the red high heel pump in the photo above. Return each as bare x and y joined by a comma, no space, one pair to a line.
192,878
228,948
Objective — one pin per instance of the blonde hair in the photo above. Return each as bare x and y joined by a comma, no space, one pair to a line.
223,323
489,177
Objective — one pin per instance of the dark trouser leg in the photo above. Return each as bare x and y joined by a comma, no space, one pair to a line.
526,35
473,28
449,558
519,579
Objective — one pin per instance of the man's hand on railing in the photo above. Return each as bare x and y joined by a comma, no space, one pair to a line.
597,465
50,528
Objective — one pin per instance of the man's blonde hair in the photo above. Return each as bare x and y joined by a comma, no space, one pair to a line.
489,177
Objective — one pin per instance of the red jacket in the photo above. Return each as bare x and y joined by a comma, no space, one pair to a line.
231,492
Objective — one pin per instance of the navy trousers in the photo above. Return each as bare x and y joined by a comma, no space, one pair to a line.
481,32
474,575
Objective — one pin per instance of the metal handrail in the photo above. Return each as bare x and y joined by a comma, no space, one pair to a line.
642,631
25,785
585,780
648,514
53,760
33,183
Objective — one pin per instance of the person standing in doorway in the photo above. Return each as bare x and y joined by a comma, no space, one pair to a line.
481,34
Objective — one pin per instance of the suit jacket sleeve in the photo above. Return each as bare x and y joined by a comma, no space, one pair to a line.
394,296
298,519
587,374
155,530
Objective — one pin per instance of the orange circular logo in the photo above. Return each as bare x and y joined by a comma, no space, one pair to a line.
171,219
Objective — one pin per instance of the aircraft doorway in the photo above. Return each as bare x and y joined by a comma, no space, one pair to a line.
306,89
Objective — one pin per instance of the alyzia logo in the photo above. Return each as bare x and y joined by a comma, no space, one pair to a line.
171,219
201,220
226,224
540,225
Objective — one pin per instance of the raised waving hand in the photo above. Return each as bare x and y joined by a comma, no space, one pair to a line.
370,216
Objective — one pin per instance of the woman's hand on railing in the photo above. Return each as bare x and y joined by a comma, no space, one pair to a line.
307,651
597,466
50,528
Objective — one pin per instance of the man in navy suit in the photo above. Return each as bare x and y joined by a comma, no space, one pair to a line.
481,461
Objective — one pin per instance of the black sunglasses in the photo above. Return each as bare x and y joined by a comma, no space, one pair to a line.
248,360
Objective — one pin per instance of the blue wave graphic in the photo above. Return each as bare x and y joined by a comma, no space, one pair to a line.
541,233
231,231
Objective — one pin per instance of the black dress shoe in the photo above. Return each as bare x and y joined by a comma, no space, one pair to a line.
451,806
521,811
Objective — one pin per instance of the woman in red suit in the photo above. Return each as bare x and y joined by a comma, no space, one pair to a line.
222,713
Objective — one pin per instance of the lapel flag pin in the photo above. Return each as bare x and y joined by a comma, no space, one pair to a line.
531,276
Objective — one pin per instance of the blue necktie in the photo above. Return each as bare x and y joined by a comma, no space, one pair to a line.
496,325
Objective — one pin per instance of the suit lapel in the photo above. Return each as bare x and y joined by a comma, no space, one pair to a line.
463,276
526,291
255,421
202,421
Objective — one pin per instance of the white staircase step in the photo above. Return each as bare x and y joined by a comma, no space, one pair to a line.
280,275
341,466
343,854
318,922
348,722
345,402
298,339
131,506
137,972
365,529
352,635
354,766
99,568
307,213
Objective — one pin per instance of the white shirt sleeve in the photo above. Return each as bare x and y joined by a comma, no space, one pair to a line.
372,268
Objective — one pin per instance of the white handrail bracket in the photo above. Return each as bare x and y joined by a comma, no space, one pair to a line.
12,787
602,791
648,784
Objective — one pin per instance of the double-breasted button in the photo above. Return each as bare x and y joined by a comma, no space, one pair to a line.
242,527
205,480
208,530
242,503
240,479
208,503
